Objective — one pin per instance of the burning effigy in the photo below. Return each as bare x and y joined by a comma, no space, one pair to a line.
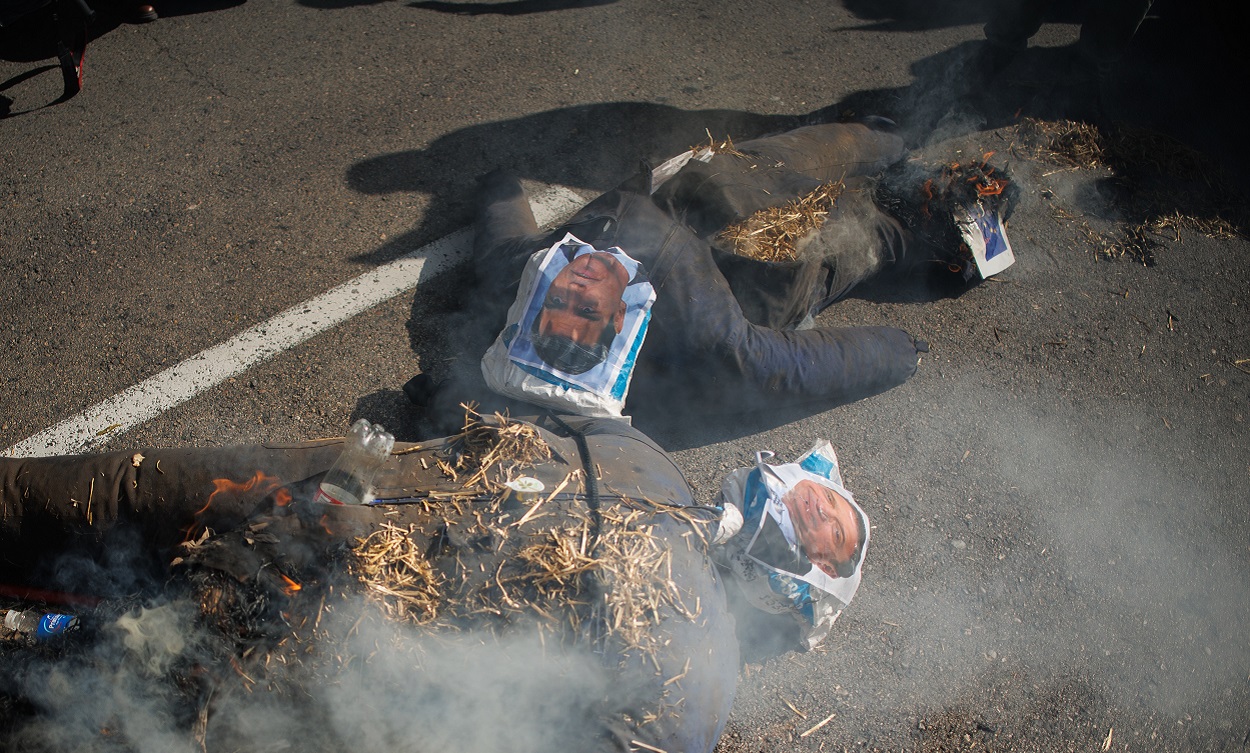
514,587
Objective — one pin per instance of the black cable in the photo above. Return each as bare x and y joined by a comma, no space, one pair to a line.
592,481
597,624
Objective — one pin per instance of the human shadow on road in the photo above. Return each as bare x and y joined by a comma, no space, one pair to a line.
918,15
592,147
924,15
514,8
389,408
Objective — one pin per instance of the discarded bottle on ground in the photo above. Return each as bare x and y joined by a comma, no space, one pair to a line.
351,477
38,624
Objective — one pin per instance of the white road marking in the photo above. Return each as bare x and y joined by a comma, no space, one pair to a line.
177,384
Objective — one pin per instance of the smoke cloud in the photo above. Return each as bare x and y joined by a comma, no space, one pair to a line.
153,681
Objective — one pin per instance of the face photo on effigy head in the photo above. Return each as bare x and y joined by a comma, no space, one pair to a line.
584,302
812,530
826,527
585,315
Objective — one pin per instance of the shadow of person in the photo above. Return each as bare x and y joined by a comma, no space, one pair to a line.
390,409
592,147
64,31
926,15
918,15
513,8
948,97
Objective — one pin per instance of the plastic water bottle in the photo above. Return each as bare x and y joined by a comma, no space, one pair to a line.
351,477
39,624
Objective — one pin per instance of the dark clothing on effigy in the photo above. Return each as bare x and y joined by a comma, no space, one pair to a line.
723,327
669,688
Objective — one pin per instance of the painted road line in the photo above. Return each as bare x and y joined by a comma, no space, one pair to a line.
179,383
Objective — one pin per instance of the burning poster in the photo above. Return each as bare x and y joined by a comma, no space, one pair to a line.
982,229
574,331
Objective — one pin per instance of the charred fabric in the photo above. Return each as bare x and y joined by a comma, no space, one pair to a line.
301,603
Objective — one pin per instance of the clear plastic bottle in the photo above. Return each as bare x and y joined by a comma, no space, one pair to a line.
39,625
351,477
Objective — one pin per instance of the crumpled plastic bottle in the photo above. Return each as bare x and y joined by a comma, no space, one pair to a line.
350,479
39,625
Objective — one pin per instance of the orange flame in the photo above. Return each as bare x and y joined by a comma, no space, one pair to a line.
991,187
928,196
259,481
325,523
289,587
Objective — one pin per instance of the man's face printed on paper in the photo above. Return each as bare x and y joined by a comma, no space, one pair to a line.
584,299
824,523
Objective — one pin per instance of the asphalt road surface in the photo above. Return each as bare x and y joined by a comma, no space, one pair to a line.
1061,543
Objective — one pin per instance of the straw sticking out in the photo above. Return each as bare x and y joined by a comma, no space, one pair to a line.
772,234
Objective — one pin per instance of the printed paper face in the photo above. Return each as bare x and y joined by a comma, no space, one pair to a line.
806,527
585,318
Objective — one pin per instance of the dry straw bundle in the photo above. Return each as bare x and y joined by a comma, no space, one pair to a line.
629,566
638,572
491,450
1064,142
725,146
1127,150
555,563
398,576
562,577
772,234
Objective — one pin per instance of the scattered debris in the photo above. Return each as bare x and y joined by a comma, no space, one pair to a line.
820,724
1165,186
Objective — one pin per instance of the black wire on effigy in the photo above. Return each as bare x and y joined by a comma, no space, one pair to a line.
597,632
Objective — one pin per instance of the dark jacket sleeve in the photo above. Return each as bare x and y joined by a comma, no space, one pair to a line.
153,497
831,151
505,235
857,241
504,232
